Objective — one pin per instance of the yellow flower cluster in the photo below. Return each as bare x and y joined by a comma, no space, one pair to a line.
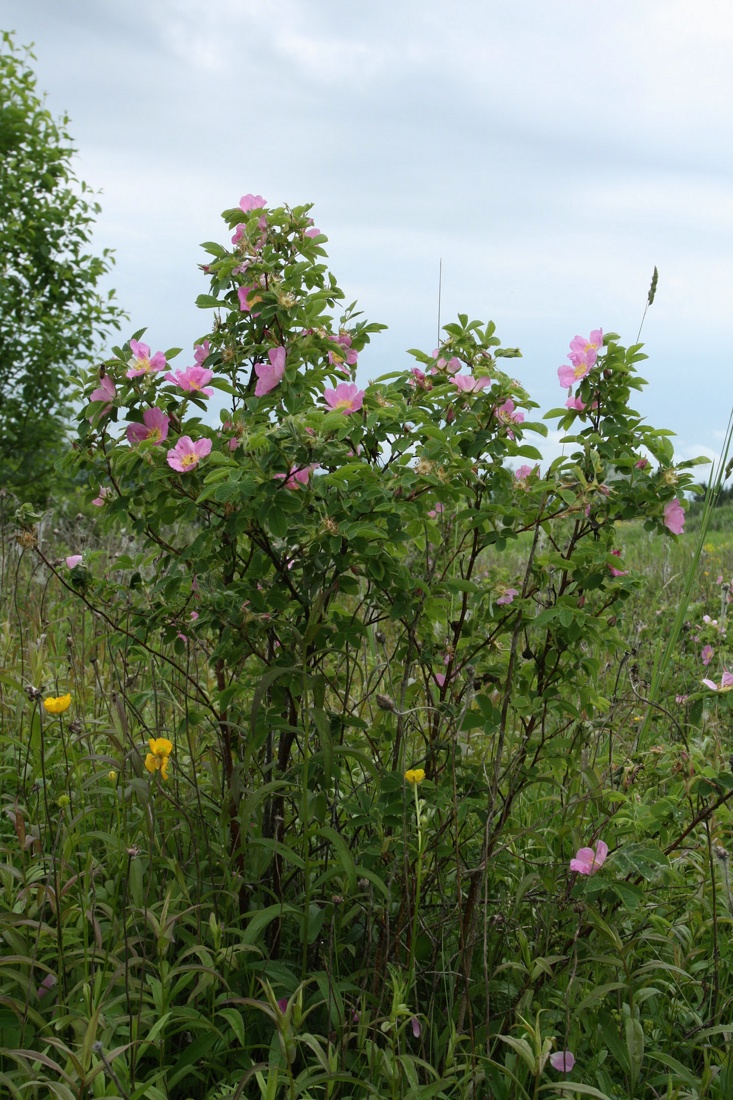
415,775
157,758
57,706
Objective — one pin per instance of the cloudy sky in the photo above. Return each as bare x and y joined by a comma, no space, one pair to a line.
551,154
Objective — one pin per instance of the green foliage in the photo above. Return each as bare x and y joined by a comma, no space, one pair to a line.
398,686
52,315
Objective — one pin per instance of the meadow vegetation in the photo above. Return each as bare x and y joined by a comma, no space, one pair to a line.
342,750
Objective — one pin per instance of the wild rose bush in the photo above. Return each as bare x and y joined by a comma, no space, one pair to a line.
389,630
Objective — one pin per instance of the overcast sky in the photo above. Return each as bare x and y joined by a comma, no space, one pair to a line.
550,153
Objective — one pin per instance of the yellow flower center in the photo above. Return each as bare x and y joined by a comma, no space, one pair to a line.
189,460
154,435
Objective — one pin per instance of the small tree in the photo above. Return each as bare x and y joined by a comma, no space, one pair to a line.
52,313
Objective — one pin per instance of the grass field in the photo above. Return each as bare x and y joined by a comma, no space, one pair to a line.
316,942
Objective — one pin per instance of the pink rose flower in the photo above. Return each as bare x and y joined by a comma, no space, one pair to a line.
270,374
201,352
142,363
104,492
345,354
436,511
248,202
73,560
725,684
451,366
587,862
192,380
523,472
507,596
617,572
346,398
674,517
569,375
186,454
105,391
707,654
575,403
245,305
154,428
298,475
509,414
589,348
466,383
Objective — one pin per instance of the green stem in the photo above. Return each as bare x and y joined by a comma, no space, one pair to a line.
418,886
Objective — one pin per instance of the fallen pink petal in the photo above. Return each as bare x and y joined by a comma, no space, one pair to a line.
562,1060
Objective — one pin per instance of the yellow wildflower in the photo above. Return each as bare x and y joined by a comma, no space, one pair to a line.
57,706
157,758
415,775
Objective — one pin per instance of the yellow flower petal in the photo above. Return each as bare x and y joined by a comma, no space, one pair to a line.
57,705
152,762
164,768
160,746
415,775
